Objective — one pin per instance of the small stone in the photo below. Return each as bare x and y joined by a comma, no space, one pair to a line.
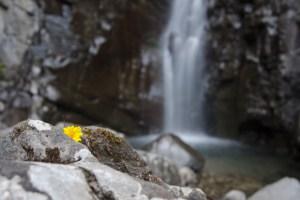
235,195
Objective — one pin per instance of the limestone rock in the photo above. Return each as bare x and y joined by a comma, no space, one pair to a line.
162,167
173,148
34,140
107,168
188,177
284,189
80,181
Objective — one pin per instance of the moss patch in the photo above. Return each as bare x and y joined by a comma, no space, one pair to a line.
105,133
114,151
2,69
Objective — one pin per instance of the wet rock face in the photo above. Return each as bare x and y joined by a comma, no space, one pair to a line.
112,39
75,48
253,77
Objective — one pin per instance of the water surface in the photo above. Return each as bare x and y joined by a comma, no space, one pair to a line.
225,157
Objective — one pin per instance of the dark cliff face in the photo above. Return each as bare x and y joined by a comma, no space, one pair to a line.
255,69
88,61
112,80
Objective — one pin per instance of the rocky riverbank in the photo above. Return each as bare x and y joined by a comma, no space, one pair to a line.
40,161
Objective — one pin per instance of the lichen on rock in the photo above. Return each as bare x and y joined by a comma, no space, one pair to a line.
34,140
114,151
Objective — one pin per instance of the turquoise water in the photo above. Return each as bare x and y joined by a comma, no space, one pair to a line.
225,157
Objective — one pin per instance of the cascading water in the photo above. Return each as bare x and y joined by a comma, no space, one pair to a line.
183,63
183,45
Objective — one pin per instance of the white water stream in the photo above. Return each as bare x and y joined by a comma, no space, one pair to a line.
183,66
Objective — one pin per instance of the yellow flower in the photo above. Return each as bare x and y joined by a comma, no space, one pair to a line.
73,132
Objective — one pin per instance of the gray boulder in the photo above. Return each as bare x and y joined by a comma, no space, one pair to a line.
34,140
75,171
168,171
188,177
162,167
86,181
173,148
284,189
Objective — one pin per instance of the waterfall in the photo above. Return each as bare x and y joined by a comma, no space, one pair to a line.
182,49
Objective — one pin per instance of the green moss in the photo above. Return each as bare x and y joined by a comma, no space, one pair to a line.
2,68
111,136
105,133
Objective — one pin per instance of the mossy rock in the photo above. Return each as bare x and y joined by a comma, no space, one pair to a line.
113,150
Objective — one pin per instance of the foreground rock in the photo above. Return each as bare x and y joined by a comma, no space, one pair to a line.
79,181
113,150
175,149
74,171
37,141
284,189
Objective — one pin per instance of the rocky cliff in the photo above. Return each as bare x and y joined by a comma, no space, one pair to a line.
254,69
90,60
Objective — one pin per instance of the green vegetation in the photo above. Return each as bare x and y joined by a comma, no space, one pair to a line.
2,68
106,133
